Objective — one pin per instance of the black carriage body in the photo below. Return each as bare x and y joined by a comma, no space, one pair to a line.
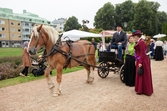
107,56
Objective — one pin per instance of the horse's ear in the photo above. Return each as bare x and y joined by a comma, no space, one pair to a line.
39,28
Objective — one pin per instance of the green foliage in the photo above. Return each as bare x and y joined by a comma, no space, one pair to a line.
145,18
72,23
143,15
164,30
125,13
162,17
104,17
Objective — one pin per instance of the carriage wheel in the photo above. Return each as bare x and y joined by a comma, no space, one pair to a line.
103,71
122,73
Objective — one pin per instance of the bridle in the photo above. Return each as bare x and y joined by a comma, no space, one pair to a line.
41,34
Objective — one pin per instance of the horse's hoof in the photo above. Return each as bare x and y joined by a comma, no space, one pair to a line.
89,82
55,95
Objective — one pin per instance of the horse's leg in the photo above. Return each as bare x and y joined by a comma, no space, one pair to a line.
88,72
91,75
91,69
59,69
49,80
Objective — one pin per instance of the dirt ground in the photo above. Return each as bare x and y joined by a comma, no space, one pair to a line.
108,94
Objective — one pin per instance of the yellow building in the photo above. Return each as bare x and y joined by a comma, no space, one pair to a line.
16,28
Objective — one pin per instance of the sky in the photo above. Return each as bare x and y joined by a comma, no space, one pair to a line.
54,9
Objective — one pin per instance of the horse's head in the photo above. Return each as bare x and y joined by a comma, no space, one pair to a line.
36,40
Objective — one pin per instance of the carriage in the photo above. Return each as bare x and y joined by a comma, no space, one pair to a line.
110,63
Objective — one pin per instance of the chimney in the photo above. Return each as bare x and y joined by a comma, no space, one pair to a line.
24,11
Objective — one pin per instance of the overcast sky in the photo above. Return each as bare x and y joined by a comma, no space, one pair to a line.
54,9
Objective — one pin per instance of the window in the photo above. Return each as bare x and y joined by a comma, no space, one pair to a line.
12,29
26,24
19,24
19,36
2,22
19,30
27,30
2,28
12,23
2,35
12,35
3,15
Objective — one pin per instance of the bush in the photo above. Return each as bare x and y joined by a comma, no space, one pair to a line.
11,67
8,71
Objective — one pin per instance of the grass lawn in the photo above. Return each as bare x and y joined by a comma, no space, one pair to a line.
21,79
6,52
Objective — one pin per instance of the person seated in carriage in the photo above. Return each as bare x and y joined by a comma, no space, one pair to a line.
119,40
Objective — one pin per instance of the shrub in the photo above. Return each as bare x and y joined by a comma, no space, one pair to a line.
10,67
8,71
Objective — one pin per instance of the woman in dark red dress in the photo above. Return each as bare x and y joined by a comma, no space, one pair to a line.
143,83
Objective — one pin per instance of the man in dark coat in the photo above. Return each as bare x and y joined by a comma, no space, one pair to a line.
119,40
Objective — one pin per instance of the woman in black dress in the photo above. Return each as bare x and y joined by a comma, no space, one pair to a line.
158,50
130,68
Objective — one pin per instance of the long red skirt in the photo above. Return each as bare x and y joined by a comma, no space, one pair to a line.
143,83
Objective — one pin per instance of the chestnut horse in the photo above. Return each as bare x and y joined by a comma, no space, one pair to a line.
48,36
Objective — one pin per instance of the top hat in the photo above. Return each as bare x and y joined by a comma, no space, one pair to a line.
136,32
119,25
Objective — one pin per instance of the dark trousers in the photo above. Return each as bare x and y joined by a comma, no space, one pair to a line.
25,71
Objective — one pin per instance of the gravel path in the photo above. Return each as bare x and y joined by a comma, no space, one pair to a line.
108,94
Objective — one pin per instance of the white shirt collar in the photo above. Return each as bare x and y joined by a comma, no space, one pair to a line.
139,39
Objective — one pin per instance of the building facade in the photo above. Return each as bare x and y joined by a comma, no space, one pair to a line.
16,28
59,24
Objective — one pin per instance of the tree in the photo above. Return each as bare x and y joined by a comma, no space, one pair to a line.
164,30
125,13
145,18
162,17
104,17
72,23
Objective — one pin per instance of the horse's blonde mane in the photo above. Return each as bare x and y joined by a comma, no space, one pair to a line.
52,33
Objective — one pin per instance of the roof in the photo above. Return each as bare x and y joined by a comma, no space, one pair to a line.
59,21
7,13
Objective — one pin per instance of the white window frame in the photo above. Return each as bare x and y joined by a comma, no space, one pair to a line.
12,29
2,36
13,36
2,22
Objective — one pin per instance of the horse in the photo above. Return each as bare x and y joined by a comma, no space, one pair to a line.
47,36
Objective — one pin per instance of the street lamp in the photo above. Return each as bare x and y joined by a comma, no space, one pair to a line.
125,25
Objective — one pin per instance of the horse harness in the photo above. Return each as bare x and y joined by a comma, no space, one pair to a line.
68,55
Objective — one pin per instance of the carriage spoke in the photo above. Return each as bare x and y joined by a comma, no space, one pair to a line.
103,71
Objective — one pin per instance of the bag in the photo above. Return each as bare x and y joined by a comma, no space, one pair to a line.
140,71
